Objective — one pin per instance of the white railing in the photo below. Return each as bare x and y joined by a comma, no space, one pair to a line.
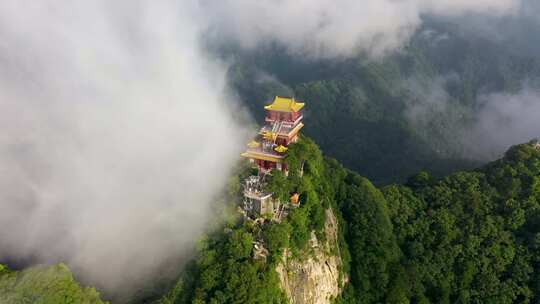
268,119
285,129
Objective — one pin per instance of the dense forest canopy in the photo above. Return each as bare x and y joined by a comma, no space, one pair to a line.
471,237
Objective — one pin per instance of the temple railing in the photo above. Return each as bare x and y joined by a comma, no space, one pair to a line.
269,152
254,188
291,122
284,131
257,194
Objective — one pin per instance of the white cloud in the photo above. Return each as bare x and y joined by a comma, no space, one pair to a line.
115,134
330,28
504,120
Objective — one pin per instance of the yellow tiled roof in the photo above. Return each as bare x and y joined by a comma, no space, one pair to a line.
253,144
262,156
283,104
281,149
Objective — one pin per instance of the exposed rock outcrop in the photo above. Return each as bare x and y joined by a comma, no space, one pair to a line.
315,279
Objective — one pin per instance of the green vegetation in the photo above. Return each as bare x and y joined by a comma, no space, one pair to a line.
372,244
44,285
468,238
471,237
225,270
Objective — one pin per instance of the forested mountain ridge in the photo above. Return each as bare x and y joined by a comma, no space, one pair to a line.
471,237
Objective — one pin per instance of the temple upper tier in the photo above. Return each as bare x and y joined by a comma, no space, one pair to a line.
283,123
284,109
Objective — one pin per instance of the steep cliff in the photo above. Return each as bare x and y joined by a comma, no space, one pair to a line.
315,278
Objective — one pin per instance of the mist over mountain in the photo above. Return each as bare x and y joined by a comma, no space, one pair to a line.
111,117
122,124
330,29
519,31
452,96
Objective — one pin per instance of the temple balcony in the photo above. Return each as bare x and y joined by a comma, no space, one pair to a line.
267,152
291,122
285,130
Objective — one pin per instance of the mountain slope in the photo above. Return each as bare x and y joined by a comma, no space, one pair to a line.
470,237
473,236
44,285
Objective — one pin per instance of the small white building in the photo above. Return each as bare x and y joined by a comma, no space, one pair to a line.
256,201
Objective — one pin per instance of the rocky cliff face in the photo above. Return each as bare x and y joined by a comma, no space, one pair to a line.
314,279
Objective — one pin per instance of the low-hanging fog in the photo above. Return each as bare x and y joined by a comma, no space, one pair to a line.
337,28
329,29
116,133
504,120
498,121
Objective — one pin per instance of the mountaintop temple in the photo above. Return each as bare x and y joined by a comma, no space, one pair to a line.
267,152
